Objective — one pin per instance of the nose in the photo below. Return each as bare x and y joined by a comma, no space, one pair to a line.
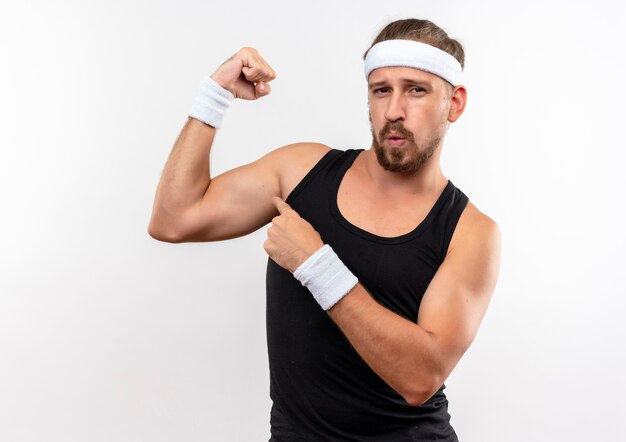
395,108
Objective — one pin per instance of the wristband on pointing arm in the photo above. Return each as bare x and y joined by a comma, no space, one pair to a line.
211,103
326,277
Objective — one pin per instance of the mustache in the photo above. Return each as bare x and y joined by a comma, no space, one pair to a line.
396,126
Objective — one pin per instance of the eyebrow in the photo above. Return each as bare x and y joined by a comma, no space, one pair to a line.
404,81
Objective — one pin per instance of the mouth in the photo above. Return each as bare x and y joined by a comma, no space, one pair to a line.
395,139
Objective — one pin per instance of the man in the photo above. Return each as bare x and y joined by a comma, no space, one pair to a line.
380,269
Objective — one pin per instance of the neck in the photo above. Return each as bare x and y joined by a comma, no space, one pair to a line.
429,179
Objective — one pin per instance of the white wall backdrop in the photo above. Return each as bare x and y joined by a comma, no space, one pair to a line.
107,334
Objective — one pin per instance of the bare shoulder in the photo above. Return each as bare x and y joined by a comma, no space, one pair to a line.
473,228
303,153
291,163
475,249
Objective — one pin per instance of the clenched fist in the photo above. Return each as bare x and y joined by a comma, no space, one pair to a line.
246,75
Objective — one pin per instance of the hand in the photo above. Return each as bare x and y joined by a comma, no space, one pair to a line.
290,239
246,75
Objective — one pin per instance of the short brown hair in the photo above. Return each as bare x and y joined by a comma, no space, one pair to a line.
423,31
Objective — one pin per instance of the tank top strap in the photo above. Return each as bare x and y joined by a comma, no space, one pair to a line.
331,163
449,214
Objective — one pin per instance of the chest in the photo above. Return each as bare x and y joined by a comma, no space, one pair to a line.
383,215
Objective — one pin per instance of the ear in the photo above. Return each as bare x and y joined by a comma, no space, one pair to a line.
457,103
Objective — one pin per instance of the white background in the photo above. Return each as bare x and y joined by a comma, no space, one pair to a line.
109,335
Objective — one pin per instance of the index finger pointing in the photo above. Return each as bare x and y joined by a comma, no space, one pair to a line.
280,204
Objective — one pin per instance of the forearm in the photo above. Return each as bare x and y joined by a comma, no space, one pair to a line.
401,352
186,175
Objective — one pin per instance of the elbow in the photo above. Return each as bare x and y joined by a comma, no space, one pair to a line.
416,400
420,392
161,233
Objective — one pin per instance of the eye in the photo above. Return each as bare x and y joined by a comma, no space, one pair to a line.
381,90
418,89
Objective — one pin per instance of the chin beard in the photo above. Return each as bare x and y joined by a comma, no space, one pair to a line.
407,159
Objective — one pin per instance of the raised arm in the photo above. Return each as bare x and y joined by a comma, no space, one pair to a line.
190,205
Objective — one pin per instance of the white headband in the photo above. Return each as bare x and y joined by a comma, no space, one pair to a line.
413,54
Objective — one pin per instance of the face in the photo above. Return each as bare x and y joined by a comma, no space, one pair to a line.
409,116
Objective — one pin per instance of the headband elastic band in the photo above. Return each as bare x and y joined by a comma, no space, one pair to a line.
413,54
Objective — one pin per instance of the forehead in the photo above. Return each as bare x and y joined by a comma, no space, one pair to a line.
403,74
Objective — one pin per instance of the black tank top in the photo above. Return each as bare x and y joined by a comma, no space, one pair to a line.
320,387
